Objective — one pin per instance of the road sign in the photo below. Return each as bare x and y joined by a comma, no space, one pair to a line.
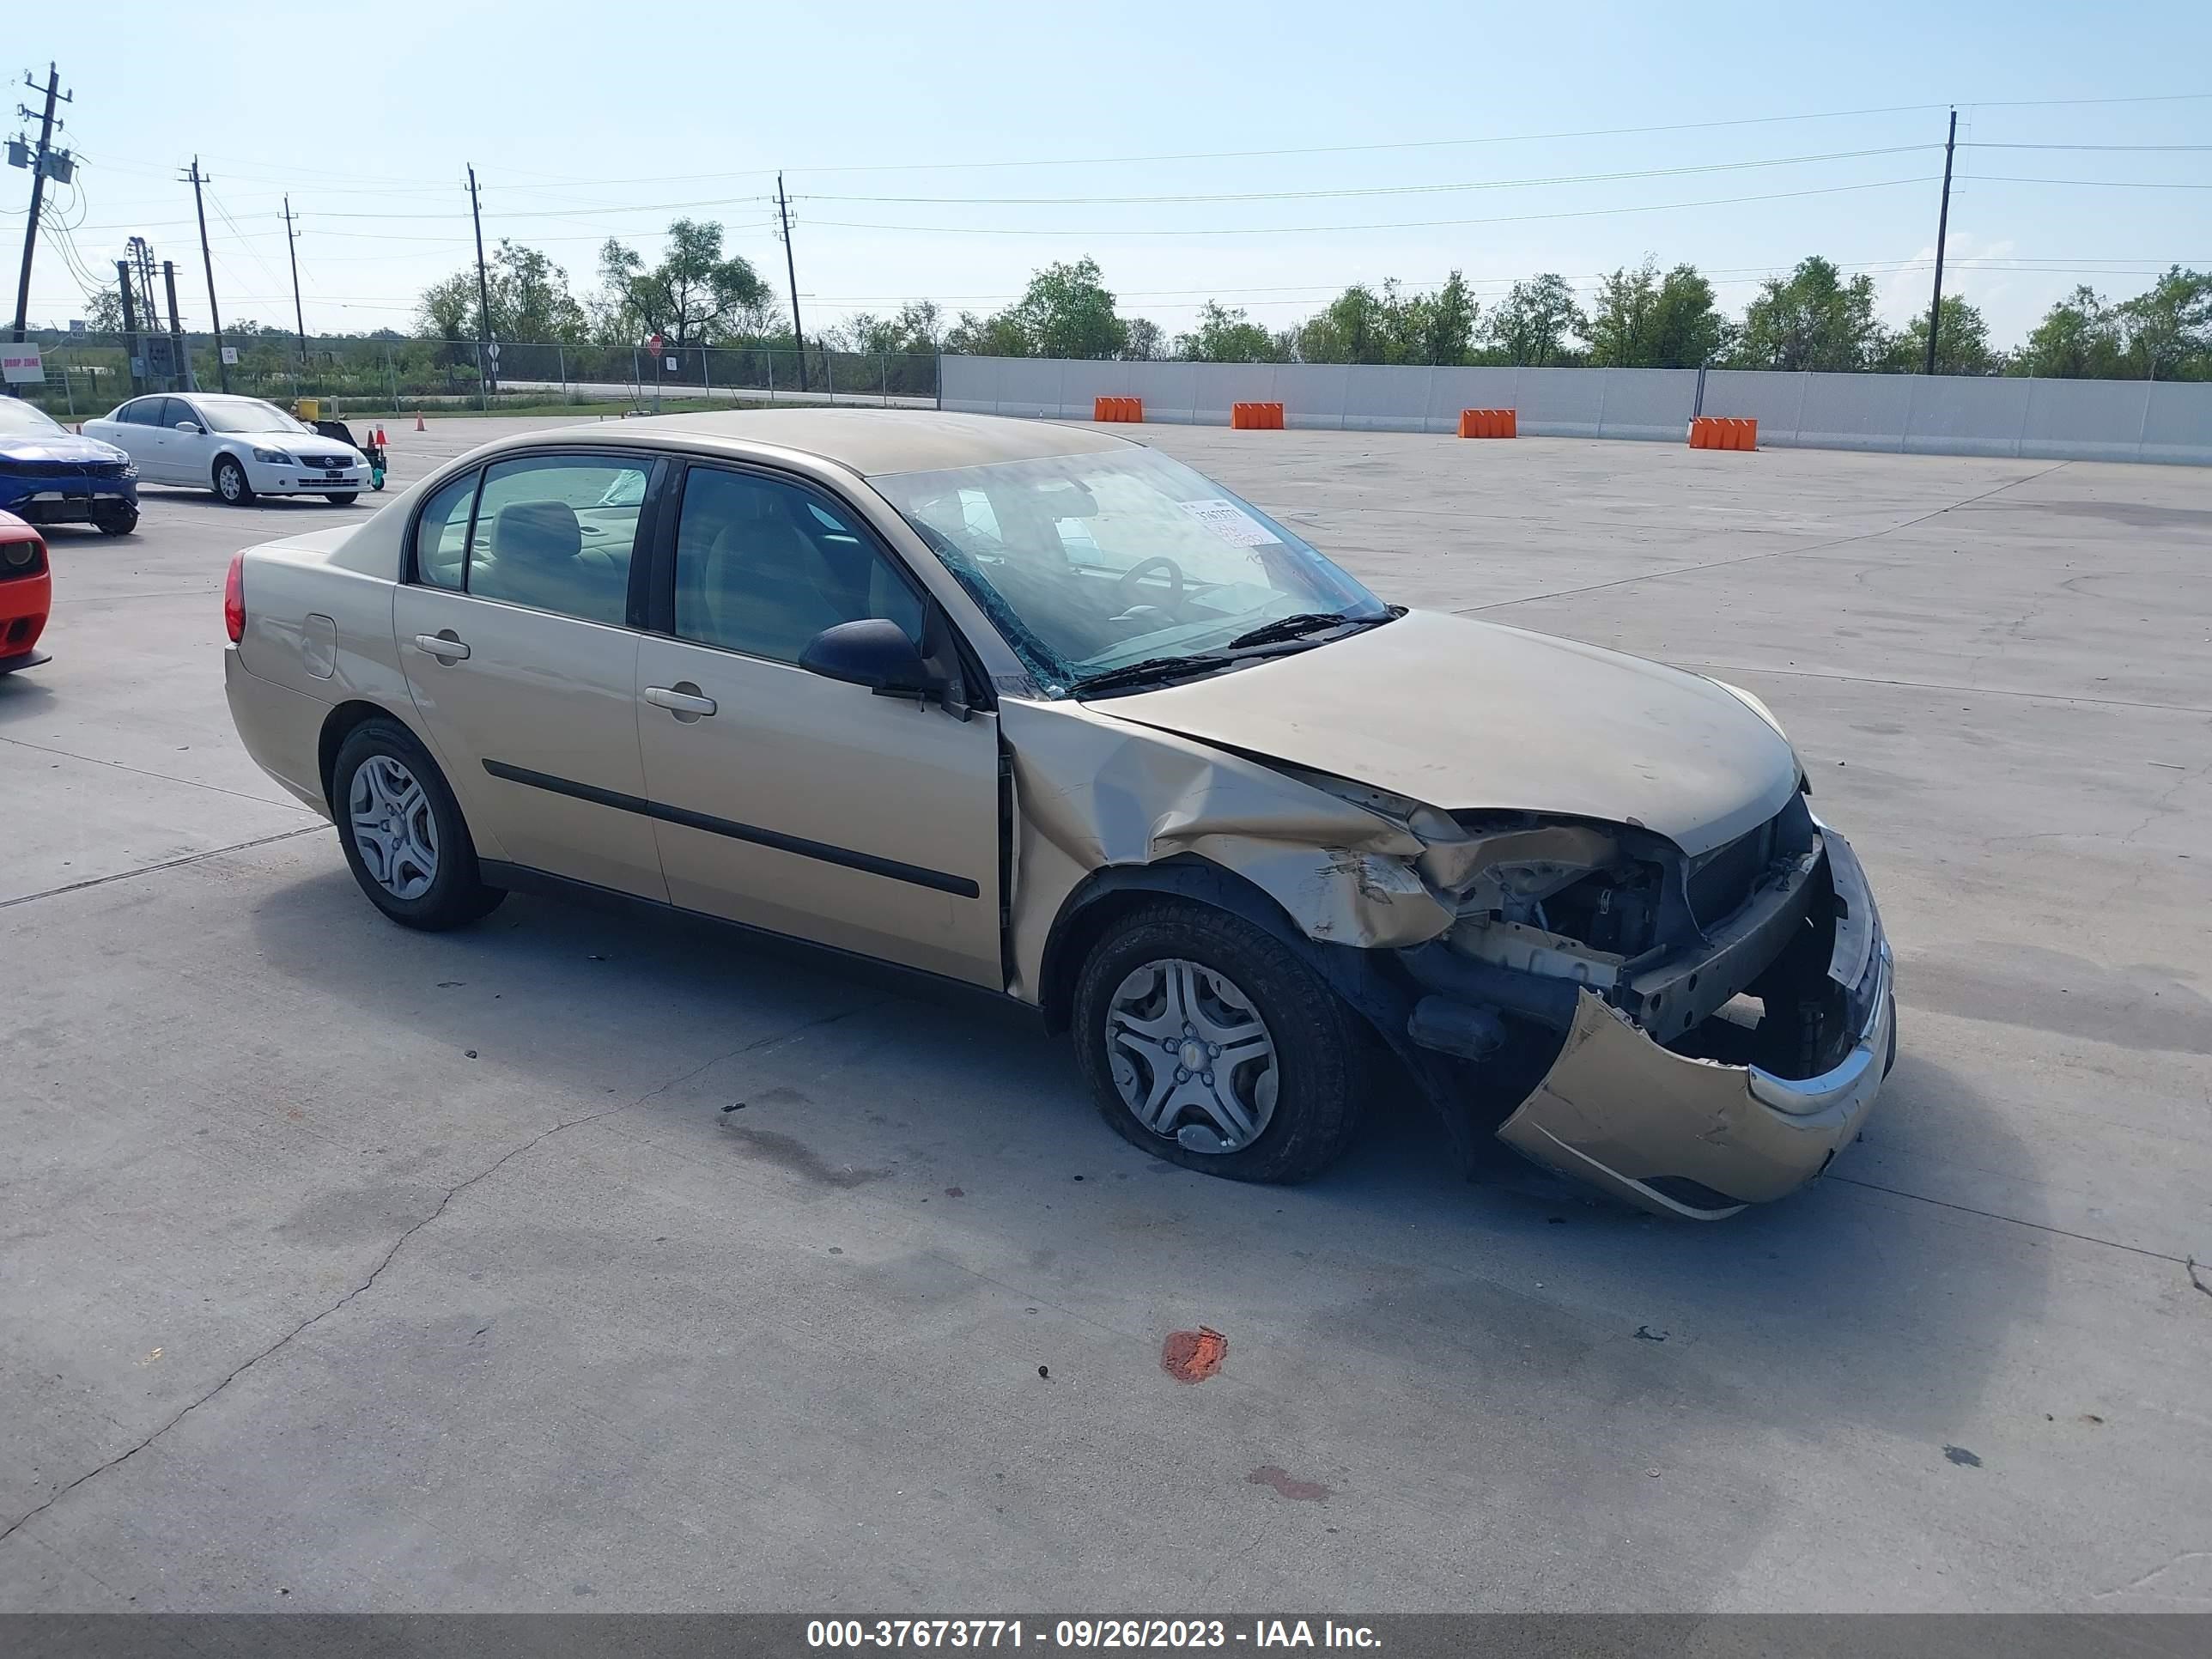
77,325
20,365
493,350
671,365
230,356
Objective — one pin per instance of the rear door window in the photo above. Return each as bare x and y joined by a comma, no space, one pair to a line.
557,532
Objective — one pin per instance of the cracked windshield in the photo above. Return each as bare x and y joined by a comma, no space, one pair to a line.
1103,564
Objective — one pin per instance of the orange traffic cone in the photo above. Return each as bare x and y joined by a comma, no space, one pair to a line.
380,437
419,427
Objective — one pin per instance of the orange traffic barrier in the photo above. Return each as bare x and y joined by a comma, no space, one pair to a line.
1256,418
1723,432
1117,409
1489,423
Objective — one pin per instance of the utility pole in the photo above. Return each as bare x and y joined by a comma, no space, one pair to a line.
40,166
130,357
1942,224
291,247
182,358
791,270
207,261
487,381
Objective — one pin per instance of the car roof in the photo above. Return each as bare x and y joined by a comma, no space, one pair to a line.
873,441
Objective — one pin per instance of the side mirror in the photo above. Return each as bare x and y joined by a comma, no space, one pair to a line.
188,426
873,652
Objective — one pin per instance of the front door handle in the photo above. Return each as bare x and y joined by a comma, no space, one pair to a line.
444,646
678,700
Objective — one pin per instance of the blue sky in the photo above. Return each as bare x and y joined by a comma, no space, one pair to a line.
585,120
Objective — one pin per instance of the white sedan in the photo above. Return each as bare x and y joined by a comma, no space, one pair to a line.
239,448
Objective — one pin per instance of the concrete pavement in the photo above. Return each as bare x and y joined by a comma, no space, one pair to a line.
582,1263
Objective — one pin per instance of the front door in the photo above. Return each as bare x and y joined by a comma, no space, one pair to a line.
794,803
514,630
185,457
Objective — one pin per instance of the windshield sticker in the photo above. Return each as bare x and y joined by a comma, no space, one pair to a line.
1230,522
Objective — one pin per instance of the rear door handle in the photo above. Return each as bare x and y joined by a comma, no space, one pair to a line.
678,702
443,646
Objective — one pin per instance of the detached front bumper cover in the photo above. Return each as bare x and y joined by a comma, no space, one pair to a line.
1695,1138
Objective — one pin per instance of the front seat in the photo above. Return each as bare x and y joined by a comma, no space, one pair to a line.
763,587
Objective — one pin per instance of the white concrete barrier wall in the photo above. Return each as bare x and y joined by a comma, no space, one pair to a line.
1941,415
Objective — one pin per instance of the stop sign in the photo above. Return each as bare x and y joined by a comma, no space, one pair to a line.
654,345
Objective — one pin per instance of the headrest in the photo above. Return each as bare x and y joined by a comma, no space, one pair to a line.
537,532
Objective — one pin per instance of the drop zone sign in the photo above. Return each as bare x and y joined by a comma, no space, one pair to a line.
20,364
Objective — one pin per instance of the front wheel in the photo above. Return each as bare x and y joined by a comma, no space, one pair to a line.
230,481
345,500
404,838
120,519
1207,1043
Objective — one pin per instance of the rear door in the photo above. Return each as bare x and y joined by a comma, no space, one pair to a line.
515,629
794,803
138,431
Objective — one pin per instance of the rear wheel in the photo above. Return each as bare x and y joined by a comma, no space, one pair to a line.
1207,1043
120,519
404,838
230,481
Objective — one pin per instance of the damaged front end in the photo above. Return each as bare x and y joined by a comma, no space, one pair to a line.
1693,1034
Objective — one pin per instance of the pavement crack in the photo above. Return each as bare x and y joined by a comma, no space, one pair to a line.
2017,1221
2195,1279
162,777
2158,1571
399,1243
1771,553
166,864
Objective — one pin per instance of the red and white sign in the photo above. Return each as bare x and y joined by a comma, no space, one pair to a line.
20,365
654,345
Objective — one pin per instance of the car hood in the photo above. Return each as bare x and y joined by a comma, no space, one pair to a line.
61,446
1472,716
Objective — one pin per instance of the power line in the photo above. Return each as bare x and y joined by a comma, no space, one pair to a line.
1405,224
1388,189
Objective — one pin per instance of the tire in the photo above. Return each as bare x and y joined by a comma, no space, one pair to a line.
118,520
1319,1054
346,499
380,771
230,481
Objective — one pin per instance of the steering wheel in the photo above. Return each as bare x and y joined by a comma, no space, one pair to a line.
1125,585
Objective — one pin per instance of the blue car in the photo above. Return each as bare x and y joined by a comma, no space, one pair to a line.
49,475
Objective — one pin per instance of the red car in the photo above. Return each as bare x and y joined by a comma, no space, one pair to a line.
25,593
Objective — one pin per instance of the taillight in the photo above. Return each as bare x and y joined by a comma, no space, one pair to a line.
234,598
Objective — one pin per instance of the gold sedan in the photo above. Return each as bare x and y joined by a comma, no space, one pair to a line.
1035,708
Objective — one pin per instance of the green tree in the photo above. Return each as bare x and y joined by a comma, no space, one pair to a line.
696,296
1812,320
1146,342
2167,329
530,300
1388,326
917,330
1962,345
1068,312
1532,325
1227,336
2079,338
996,336
1349,329
1438,328
1640,319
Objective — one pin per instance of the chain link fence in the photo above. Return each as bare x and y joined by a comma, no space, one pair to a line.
87,375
